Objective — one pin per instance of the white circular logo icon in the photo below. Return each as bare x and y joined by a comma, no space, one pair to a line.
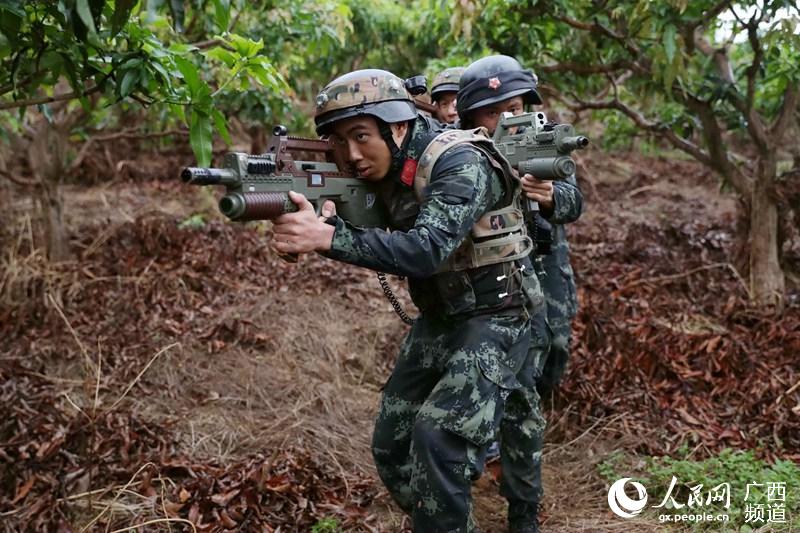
621,504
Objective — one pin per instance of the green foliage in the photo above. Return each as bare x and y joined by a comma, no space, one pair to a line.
650,46
609,469
739,468
104,49
195,221
326,525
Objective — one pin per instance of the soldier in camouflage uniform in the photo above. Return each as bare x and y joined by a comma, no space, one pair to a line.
443,94
489,87
455,237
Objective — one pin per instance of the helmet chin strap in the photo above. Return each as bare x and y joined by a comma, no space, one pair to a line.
398,152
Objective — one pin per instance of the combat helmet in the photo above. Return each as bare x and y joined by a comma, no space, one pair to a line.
446,82
494,79
373,92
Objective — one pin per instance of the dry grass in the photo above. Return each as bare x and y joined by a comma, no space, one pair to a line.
314,385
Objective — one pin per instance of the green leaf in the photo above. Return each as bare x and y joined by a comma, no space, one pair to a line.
246,47
85,14
12,7
178,111
10,22
200,136
669,42
165,78
128,82
122,12
190,74
221,124
70,71
222,55
222,10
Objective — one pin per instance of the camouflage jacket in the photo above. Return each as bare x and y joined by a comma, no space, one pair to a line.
462,188
554,270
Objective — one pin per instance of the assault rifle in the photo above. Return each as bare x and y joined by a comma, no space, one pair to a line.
538,147
542,149
257,186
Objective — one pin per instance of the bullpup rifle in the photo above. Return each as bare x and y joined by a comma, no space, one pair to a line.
257,186
535,146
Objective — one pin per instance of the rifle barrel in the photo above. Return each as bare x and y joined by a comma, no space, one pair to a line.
209,176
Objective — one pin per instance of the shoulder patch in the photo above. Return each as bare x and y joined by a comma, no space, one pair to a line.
408,172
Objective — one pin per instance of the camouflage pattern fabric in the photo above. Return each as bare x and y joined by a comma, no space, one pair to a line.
522,434
522,428
360,88
441,408
558,283
444,400
446,81
463,187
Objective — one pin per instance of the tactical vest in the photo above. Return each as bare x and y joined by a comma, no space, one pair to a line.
500,235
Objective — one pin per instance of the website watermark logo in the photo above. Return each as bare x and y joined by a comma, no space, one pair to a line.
763,502
621,504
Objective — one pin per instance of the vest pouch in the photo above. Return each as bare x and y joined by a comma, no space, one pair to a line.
534,297
454,293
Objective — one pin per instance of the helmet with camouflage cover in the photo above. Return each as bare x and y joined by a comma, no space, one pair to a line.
446,82
493,79
372,92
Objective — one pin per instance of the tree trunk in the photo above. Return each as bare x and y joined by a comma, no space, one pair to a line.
55,231
258,139
46,157
767,281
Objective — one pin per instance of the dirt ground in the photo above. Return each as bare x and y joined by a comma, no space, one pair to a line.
204,346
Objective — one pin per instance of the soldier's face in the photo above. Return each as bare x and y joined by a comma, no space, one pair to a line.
446,108
361,145
489,116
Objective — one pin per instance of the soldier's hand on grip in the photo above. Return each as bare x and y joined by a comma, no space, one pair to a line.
302,231
539,190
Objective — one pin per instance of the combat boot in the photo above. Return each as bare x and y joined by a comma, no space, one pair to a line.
523,517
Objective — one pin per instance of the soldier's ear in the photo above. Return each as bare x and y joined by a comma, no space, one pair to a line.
399,131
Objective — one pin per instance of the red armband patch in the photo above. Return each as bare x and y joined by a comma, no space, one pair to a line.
409,171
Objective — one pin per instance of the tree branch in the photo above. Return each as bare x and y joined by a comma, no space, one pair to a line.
745,105
660,129
754,67
130,133
786,115
11,86
717,150
689,30
203,45
49,99
720,56
598,29
583,68
18,180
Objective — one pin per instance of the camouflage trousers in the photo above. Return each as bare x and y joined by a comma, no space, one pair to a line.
440,410
554,365
522,432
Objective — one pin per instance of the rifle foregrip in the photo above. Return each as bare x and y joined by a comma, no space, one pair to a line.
256,205
548,168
